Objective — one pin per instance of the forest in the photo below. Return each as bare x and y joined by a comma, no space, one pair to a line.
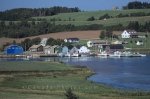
26,13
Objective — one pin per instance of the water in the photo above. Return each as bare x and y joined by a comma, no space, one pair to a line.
126,73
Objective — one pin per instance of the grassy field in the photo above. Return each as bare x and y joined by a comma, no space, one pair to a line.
50,80
80,18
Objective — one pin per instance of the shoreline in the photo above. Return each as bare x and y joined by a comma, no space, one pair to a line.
53,78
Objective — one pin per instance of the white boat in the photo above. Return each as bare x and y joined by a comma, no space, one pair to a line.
75,55
126,54
115,54
138,55
103,54
67,55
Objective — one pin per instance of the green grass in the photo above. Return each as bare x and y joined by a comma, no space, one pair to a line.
80,18
132,42
53,84
32,66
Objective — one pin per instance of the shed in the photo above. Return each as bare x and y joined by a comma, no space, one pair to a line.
47,49
14,50
36,48
65,50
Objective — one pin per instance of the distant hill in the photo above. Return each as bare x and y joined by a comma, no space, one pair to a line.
115,20
81,18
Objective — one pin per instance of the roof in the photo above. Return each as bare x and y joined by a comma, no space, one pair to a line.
100,42
47,46
35,46
131,32
73,39
114,46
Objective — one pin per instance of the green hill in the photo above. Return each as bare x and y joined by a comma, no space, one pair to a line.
80,18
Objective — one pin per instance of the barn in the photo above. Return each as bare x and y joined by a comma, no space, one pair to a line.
13,50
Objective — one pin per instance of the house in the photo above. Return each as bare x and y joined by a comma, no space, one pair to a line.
129,34
47,49
54,49
112,47
36,48
65,50
71,40
83,49
74,50
96,43
13,50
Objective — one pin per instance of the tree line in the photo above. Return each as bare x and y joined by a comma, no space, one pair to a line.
26,13
137,5
26,29
120,15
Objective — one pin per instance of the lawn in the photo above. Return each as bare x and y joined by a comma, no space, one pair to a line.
53,81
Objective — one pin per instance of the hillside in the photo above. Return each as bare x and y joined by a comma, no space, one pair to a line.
84,35
80,18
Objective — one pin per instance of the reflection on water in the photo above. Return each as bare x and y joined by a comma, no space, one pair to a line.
128,73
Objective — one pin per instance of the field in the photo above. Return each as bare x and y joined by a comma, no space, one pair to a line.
61,35
50,80
80,18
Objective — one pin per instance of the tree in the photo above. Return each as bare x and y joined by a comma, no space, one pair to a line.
50,41
70,95
91,18
36,40
102,35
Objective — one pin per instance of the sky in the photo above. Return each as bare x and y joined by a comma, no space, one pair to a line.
85,5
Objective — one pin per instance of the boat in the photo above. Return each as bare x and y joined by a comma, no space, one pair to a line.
75,55
104,53
138,55
115,54
126,54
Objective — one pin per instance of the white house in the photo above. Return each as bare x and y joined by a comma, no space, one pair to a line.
129,34
51,49
47,49
84,49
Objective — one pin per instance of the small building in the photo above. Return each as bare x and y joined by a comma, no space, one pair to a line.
129,34
54,49
36,48
71,40
139,43
13,50
112,47
74,50
97,43
65,50
83,49
47,49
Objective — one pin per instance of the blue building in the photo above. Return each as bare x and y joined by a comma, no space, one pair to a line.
13,50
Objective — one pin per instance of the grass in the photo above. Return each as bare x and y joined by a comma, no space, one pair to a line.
53,82
80,18
145,48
